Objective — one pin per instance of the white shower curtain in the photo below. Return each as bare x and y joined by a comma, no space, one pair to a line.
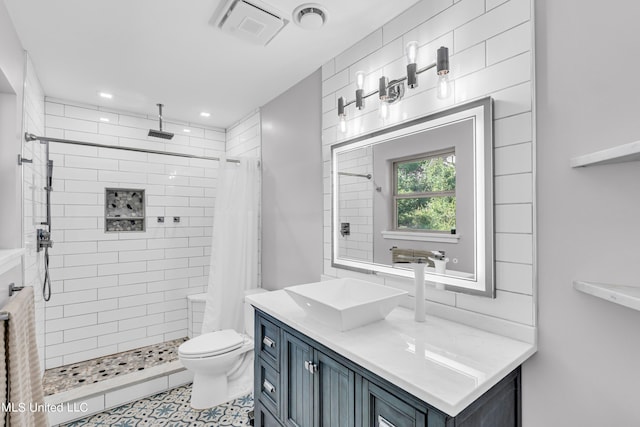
234,248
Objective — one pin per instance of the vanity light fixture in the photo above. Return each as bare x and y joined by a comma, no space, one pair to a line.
392,91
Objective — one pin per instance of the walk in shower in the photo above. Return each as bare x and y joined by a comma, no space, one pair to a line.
130,220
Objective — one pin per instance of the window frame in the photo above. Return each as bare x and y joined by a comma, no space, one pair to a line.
443,153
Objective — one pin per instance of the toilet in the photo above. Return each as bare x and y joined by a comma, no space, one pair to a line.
222,362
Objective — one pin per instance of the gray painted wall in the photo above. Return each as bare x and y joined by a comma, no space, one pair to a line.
292,186
11,76
586,370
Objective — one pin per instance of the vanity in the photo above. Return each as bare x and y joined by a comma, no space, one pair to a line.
393,372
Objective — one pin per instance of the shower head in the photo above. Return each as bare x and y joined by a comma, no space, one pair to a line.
160,133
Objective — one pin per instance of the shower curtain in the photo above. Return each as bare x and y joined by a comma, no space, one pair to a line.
234,248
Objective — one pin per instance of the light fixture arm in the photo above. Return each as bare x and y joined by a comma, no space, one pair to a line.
426,68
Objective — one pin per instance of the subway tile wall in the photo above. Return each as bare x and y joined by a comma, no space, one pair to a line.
355,206
491,47
117,291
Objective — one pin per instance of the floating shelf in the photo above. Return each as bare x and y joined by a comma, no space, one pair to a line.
628,296
9,258
622,153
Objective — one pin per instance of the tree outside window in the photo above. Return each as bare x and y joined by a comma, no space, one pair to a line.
425,192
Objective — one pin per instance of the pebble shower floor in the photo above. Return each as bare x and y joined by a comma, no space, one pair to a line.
171,408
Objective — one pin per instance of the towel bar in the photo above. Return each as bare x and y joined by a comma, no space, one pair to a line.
12,290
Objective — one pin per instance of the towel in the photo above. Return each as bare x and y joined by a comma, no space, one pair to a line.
22,363
3,377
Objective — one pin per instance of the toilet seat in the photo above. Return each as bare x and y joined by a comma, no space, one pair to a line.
211,344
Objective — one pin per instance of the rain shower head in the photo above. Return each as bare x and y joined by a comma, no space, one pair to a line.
160,133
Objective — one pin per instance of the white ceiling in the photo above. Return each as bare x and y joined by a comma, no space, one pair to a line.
150,51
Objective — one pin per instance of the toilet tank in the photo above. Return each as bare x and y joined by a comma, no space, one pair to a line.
195,314
248,311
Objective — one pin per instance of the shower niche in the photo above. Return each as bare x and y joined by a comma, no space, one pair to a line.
124,210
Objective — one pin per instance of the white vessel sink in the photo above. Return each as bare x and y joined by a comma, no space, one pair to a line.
345,304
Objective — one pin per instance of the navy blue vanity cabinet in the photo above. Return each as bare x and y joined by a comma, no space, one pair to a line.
301,383
297,382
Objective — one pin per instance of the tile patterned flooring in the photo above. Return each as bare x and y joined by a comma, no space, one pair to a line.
171,409
67,377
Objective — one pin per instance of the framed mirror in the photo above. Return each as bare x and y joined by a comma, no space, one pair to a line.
419,191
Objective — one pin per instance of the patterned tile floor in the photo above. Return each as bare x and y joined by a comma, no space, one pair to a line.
67,377
171,408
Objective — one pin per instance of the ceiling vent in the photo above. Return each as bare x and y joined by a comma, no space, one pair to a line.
251,21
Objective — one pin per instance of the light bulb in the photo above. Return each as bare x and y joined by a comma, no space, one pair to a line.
384,111
444,89
343,124
360,79
412,52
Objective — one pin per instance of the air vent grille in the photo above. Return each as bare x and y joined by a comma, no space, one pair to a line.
252,21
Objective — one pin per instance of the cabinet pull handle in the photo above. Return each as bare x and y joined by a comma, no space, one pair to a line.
268,386
310,366
268,342
382,422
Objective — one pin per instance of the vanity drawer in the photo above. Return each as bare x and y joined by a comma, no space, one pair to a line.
268,343
267,386
382,409
263,418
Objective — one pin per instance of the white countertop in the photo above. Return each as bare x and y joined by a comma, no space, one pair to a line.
446,364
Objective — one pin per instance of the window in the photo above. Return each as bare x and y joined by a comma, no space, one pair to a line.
425,192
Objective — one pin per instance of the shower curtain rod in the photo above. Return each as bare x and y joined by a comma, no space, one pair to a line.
368,176
32,137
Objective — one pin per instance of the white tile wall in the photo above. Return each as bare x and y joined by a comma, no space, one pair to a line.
491,46
356,205
118,290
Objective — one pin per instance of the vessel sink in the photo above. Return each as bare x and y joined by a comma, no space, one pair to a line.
345,304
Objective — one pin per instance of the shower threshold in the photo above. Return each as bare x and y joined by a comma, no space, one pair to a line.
113,380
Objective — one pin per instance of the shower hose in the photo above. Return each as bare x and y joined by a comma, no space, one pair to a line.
46,284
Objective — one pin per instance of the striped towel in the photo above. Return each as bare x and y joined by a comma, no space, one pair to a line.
22,363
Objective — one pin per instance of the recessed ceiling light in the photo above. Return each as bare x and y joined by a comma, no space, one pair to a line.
104,119
186,130
105,95
205,114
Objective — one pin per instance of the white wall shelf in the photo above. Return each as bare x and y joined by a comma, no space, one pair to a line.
628,296
9,258
622,153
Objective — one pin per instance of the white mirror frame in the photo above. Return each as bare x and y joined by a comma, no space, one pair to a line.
481,112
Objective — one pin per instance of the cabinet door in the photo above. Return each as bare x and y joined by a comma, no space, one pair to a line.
334,391
297,383
382,409
263,417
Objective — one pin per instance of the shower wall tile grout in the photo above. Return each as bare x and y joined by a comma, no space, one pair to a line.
116,291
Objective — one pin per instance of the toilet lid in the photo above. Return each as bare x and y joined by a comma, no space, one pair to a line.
211,344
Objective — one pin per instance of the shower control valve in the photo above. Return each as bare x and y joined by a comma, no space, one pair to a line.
44,239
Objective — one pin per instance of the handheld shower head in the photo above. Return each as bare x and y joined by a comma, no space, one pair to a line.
160,133
50,173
